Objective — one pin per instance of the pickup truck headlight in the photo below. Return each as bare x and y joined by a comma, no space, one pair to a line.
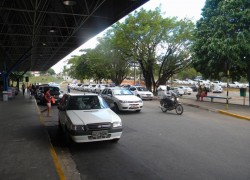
74,127
77,127
117,124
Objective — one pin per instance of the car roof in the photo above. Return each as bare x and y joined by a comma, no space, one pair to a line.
116,87
81,94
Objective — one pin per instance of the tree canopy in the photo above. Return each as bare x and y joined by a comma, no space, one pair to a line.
222,39
161,46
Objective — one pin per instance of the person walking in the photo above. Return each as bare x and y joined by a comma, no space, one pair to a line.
47,97
23,88
199,91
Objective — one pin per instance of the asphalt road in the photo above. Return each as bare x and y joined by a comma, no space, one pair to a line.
196,145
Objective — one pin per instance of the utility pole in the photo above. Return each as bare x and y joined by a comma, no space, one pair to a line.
227,67
134,73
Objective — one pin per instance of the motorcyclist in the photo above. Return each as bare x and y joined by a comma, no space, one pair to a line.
167,95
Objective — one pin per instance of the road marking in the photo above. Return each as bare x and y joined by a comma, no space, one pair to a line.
52,150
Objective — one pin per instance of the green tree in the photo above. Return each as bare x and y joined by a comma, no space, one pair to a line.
160,46
188,73
51,71
222,39
78,67
105,61
116,62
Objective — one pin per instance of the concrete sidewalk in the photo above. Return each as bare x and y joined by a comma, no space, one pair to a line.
26,152
235,107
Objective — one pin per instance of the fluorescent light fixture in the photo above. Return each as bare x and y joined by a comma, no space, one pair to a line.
52,30
69,3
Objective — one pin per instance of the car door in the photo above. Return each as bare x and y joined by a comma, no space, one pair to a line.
133,90
107,96
62,109
104,94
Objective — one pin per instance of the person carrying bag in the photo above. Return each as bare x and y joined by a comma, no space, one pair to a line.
48,99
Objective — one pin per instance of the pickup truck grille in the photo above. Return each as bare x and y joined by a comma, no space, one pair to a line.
98,126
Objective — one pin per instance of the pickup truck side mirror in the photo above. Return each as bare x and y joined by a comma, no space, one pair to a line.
61,108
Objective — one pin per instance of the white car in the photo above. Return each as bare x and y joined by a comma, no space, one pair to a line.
142,92
100,87
235,85
88,118
120,99
187,90
217,88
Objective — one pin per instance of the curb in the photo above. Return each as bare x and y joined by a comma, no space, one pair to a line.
234,115
202,107
218,111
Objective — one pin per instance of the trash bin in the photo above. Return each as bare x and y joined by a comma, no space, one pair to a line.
243,92
5,95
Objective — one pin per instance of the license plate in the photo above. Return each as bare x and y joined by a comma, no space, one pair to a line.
100,134
134,106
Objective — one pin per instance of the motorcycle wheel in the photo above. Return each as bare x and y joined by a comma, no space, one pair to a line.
179,109
162,108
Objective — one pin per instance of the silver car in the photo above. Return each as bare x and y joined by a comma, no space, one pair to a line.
120,99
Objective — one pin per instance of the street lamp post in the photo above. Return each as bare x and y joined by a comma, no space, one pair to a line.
134,73
227,68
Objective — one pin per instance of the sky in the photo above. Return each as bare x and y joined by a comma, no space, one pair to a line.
180,8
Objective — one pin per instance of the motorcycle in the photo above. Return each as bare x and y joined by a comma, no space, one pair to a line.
170,104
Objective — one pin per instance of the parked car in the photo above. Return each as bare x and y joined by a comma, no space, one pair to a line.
120,99
235,85
100,87
88,118
217,88
186,89
54,91
142,92
194,88
222,84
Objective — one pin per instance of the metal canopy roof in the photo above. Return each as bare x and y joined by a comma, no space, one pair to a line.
36,34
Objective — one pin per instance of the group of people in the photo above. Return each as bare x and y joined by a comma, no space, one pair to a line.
201,93
31,89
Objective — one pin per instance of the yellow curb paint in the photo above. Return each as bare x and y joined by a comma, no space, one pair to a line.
234,115
52,151
56,162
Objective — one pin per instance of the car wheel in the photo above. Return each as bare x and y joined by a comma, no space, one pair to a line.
59,124
68,140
